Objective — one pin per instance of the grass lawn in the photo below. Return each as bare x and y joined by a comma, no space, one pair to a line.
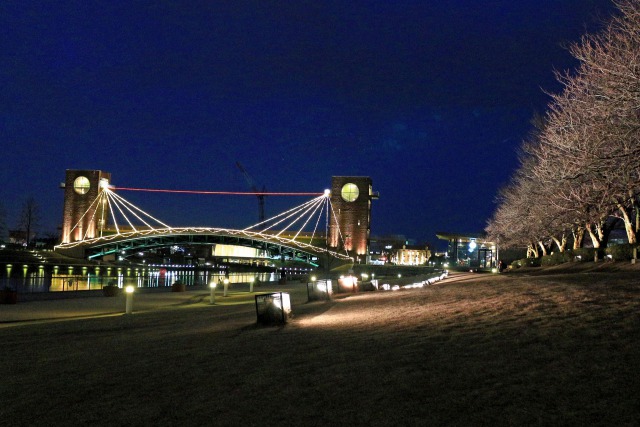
513,349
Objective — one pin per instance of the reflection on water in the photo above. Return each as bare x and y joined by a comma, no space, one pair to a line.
152,278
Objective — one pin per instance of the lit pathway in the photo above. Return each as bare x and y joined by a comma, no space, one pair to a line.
238,299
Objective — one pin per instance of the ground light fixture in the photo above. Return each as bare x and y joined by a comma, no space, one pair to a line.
273,308
212,294
251,280
226,287
129,303
319,289
348,283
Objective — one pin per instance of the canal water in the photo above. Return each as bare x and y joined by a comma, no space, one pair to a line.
81,278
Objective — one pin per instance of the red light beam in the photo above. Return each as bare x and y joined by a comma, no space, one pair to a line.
227,193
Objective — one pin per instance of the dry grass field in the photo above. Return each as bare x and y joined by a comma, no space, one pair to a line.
524,348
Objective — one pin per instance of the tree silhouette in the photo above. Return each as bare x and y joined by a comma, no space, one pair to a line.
29,219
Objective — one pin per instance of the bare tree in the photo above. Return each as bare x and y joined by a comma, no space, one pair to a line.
582,164
29,219
611,67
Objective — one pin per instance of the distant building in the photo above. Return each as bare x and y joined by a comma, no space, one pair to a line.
381,247
470,250
398,249
410,255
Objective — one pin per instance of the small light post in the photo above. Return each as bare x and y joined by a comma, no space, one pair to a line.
212,294
129,303
251,284
226,287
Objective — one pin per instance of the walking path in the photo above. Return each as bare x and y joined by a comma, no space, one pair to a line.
88,304
143,300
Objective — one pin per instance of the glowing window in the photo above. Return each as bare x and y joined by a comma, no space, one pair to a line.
81,185
350,192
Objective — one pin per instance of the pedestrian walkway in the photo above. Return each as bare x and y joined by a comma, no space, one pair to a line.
143,301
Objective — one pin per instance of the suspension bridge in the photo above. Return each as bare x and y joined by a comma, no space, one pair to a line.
108,224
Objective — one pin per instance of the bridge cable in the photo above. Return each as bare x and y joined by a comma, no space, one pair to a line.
93,217
335,218
303,212
77,224
301,216
296,208
128,205
318,205
317,222
113,215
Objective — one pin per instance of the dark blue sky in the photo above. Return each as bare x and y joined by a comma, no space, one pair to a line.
429,98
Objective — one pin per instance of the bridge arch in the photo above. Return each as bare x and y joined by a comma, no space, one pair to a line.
272,244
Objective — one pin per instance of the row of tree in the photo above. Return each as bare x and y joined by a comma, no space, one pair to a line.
580,167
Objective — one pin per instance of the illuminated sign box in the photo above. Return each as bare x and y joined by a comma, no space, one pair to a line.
319,290
348,284
274,308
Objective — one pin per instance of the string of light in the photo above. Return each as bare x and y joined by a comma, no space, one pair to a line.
305,212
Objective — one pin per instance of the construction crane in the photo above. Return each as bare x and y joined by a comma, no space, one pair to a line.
252,186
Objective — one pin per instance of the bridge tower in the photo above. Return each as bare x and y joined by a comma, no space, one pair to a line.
81,188
350,228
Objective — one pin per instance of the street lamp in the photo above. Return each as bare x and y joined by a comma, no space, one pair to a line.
129,303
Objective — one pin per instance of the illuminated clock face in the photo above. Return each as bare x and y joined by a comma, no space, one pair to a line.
350,192
81,185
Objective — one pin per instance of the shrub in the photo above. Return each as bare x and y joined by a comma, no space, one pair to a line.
623,252
526,262
583,254
532,262
555,258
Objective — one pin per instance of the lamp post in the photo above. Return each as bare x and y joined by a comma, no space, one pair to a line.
226,287
251,284
212,295
129,303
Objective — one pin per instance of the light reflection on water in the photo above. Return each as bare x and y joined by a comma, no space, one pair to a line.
40,282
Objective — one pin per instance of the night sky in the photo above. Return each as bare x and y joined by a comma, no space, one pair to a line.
429,98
